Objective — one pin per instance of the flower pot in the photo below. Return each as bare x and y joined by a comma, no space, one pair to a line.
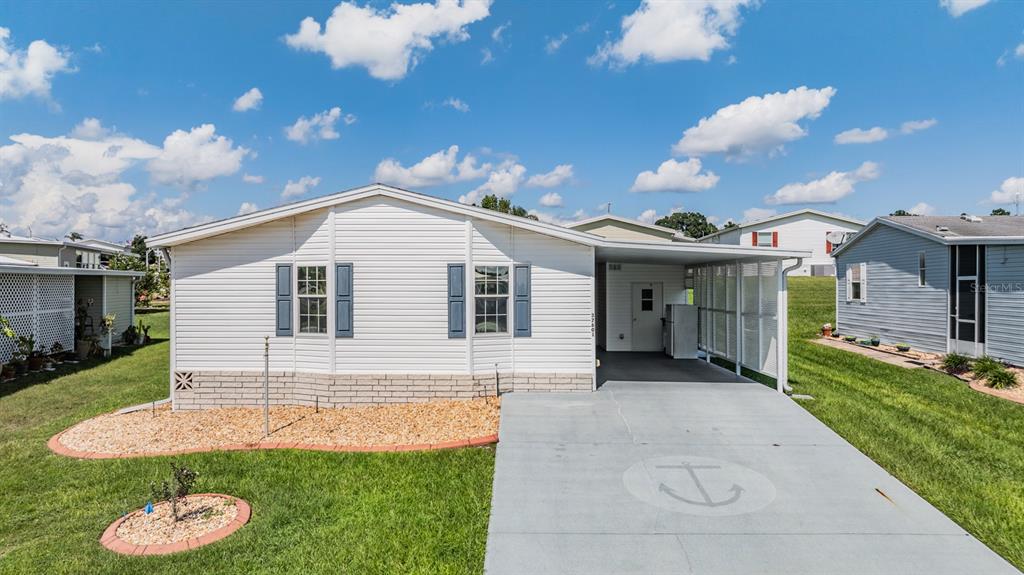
8,371
851,338
826,332
903,348
35,363
20,368
875,341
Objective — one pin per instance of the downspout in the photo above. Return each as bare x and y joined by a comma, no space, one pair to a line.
167,256
782,377
59,252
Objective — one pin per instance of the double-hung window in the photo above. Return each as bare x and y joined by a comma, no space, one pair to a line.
312,294
855,282
921,270
491,298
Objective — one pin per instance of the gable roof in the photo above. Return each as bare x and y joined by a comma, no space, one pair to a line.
950,230
218,227
669,233
805,211
84,244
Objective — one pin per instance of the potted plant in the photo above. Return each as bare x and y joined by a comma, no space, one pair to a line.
876,341
130,336
850,338
7,371
865,342
143,332
826,330
835,334
33,356
902,347
57,353
107,329
8,333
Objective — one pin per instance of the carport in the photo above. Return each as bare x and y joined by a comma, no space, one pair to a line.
740,297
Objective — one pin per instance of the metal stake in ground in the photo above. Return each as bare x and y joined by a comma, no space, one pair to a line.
266,386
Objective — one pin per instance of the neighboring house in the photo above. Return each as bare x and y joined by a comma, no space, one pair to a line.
806,230
619,228
938,283
380,295
43,283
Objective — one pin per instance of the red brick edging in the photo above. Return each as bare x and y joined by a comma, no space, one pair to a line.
982,388
111,541
60,449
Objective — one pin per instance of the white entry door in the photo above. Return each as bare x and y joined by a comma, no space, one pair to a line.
648,309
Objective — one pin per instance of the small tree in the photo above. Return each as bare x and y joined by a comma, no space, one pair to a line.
691,224
1000,212
139,247
74,236
176,490
902,213
503,205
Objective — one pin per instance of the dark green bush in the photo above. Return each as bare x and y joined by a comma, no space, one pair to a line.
986,366
956,364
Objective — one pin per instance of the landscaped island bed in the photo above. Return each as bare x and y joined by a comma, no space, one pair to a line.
405,425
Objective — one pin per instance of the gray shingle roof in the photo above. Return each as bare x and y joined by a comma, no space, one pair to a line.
989,226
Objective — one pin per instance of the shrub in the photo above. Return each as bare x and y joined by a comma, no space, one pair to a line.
178,488
987,366
1002,379
956,364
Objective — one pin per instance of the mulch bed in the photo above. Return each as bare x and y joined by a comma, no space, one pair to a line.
204,519
407,426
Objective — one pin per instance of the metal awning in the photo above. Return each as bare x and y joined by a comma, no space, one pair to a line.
689,253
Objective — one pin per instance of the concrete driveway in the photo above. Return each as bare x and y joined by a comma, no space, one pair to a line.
706,478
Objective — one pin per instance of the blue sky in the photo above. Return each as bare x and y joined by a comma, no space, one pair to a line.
561,106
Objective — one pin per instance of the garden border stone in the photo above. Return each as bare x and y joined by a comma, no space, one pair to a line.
111,541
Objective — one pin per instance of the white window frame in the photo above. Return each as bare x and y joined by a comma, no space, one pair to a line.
760,242
300,297
496,296
85,259
922,270
862,282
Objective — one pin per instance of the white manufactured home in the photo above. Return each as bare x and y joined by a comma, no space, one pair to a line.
937,283
807,230
380,295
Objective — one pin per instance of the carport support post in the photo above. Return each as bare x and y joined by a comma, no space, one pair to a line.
782,338
739,318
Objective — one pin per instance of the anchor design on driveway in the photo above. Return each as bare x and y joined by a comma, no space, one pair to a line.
736,490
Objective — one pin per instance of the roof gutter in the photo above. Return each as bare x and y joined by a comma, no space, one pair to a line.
782,361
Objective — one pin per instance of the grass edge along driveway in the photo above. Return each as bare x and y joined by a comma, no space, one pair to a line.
961,450
423,512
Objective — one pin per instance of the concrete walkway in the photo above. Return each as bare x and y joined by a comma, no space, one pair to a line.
706,478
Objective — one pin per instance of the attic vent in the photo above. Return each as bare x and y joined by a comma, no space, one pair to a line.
942,229
970,218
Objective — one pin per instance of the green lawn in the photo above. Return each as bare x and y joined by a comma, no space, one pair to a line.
961,450
312,512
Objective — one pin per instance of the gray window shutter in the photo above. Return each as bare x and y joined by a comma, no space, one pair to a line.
284,299
343,300
456,300
521,303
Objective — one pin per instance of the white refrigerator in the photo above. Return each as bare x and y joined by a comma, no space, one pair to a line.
680,333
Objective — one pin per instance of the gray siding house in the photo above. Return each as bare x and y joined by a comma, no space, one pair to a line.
938,283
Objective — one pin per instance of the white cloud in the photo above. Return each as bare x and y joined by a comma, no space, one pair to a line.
549,218
556,177
250,100
673,176
300,187
757,124
1019,50
30,71
648,216
917,125
553,44
247,208
90,129
497,33
551,200
320,127
96,48
754,214
194,156
958,8
502,182
670,31
456,104
441,167
922,209
486,56
1009,192
251,179
829,189
56,184
859,136
387,42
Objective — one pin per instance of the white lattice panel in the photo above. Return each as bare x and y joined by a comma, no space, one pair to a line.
16,293
56,292
56,326
22,325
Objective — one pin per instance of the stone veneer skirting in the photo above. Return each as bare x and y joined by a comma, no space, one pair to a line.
208,389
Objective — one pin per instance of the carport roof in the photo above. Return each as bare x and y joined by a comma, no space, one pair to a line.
688,253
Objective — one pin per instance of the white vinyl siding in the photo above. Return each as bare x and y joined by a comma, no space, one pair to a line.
120,302
399,251
619,296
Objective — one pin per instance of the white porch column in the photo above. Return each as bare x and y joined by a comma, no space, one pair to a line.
739,318
782,339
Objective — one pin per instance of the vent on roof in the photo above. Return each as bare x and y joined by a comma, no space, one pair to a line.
941,229
970,218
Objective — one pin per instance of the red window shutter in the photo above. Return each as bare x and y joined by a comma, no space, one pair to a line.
753,236
828,244
775,239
